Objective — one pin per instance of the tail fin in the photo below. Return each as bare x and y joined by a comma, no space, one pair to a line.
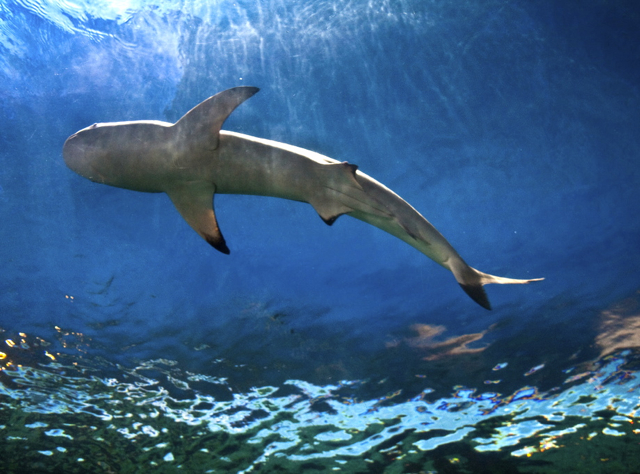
472,282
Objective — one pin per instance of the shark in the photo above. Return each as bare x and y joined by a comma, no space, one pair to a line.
193,159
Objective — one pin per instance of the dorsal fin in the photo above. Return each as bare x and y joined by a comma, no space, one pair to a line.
205,120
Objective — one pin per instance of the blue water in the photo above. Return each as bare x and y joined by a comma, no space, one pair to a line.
129,345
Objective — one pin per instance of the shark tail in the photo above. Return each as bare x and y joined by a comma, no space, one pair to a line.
472,282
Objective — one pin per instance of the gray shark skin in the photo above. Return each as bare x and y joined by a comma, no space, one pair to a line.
193,159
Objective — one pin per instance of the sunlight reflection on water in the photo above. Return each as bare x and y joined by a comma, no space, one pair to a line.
67,400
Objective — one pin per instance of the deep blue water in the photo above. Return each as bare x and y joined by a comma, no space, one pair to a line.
128,344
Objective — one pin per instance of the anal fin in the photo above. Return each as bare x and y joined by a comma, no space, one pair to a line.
343,192
194,201
329,211
329,204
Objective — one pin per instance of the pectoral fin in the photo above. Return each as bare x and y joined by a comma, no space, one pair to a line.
194,201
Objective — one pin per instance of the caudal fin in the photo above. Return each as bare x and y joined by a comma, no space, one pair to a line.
472,282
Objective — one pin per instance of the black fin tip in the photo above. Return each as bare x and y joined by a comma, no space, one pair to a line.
477,294
218,243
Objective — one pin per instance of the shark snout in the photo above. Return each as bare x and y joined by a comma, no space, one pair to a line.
78,157
73,153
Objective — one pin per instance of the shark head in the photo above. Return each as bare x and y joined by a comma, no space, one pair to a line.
81,153
145,155
129,155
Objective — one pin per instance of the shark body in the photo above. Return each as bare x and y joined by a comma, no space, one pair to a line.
193,159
